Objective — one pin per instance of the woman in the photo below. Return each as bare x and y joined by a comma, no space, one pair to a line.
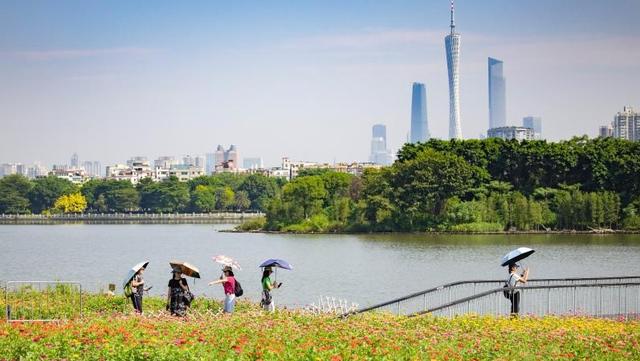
178,288
137,286
229,285
267,285
513,281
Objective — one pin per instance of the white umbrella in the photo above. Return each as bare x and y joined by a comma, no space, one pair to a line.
227,261
132,272
516,255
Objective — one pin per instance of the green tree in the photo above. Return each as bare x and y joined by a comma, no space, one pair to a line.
167,196
308,192
14,192
241,201
47,190
259,189
224,198
203,199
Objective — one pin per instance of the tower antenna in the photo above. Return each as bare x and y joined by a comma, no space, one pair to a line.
453,22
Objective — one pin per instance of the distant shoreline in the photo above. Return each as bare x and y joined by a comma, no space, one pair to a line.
129,218
567,232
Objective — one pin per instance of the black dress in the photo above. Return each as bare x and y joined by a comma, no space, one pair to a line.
177,306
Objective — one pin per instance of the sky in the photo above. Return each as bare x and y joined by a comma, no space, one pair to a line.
303,79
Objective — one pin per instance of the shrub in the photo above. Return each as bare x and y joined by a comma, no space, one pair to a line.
253,224
478,227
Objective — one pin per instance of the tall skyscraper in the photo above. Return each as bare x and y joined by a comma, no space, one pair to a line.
452,46
75,163
419,125
534,123
379,152
497,95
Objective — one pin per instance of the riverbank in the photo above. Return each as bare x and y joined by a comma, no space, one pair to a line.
109,330
550,232
130,218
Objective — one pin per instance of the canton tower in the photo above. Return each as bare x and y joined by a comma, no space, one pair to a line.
452,46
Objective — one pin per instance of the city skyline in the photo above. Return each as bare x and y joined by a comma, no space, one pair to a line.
109,81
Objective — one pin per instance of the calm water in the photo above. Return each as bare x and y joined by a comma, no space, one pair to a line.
365,269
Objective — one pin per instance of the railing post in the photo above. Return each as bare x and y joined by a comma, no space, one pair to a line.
548,301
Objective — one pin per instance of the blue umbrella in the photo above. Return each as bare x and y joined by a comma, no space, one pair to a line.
274,262
133,271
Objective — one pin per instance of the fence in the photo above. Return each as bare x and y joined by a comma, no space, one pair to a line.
42,300
213,217
611,300
444,294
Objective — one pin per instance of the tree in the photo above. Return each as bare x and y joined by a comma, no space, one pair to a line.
224,198
241,201
308,192
167,196
259,190
14,192
47,190
71,203
203,199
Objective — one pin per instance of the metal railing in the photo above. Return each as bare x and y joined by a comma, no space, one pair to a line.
444,294
610,300
28,301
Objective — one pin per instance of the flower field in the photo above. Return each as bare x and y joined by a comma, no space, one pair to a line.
109,331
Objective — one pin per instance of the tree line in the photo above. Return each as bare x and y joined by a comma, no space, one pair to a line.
473,185
220,192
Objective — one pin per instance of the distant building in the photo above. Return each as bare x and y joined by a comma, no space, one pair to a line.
210,163
75,176
92,169
419,125
379,152
138,160
452,47
185,172
290,169
200,162
36,170
222,156
605,131
497,94
164,162
534,123
252,163
75,163
519,133
626,124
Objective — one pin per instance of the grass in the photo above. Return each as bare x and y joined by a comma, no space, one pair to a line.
109,330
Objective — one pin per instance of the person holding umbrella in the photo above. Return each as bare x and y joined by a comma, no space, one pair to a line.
133,285
178,288
137,285
267,285
513,281
229,285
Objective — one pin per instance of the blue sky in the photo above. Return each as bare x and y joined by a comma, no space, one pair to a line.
301,79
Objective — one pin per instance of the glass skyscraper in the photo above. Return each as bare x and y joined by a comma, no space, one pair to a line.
497,95
379,152
452,46
534,123
419,126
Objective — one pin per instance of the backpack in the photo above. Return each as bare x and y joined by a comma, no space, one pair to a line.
238,289
128,291
507,293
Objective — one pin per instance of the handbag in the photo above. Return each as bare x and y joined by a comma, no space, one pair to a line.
188,297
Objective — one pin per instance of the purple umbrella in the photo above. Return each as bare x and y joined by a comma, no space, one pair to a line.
274,262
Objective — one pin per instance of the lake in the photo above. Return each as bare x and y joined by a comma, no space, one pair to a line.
364,269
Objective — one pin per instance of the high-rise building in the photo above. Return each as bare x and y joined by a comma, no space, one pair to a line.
252,163
626,124
605,131
379,152
210,163
199,162
419,125
519,133
452,47
497,94
137,160
229,159
75,163
534,123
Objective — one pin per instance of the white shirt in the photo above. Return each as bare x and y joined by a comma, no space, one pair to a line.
513,279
